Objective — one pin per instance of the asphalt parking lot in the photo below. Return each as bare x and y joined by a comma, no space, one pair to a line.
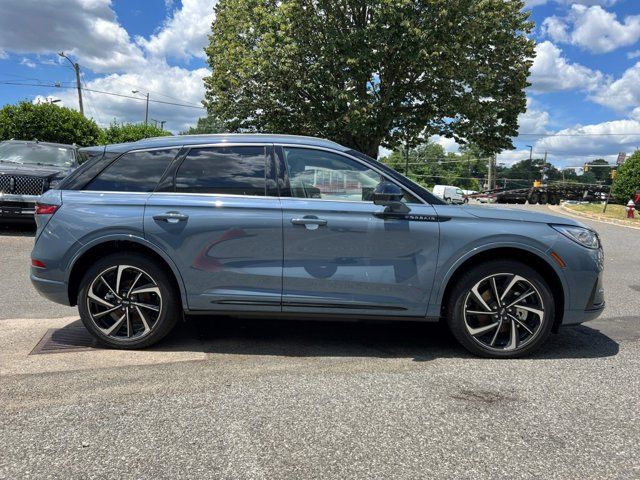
225,398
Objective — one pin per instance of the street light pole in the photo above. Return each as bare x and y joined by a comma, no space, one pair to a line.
76,68
530,152
146,111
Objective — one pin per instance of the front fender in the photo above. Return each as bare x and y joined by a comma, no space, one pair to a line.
447,270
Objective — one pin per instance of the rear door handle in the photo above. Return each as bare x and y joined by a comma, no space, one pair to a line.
171,217
309,220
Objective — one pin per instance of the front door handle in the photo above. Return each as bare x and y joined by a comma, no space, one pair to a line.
309,220
171,217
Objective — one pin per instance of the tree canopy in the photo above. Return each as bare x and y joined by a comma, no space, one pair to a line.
48,123
628,179
365,74
129,132
208,124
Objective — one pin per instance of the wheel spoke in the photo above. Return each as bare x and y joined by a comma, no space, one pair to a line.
129,325
495,335
522,324
481,330
513,340
146,305
515,279
494,288
121,268
144,319
134,283
479,312
106,312
108,286
479,298
115,326
154,289
99,300
521,297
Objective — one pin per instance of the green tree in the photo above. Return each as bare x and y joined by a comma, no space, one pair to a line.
365,74
208,124
628,179
602,172
129,132
48,123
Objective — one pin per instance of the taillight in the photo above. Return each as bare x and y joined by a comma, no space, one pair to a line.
44,209
38,263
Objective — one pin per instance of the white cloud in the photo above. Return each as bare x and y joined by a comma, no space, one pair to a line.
607,138
449,144
87,29
536,3
533,120
27,63
184,34
634,54
593,28
552,72
621,94
509,157
163,82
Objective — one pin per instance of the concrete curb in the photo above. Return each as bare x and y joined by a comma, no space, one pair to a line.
591,216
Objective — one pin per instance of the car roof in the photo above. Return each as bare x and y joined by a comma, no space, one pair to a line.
37,142
179,140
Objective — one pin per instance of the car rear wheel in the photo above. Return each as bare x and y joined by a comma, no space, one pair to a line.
501,309
127,301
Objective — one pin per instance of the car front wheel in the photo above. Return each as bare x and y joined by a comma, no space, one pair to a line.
501,309
127,301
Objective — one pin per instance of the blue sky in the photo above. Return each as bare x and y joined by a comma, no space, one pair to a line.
585,79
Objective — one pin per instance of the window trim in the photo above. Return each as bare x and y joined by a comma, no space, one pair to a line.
351,157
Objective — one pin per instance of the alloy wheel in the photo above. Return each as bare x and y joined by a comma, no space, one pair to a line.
504,312
124,302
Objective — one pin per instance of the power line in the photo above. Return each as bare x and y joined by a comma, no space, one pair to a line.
102,92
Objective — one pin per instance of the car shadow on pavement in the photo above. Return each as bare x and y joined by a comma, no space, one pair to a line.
298,338
17,229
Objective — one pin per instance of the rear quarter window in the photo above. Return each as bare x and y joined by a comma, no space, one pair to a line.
134,172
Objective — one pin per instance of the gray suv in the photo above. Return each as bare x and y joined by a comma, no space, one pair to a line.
288,226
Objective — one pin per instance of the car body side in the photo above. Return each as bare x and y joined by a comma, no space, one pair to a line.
87,227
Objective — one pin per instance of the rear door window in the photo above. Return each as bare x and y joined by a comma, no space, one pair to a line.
239,170
134,172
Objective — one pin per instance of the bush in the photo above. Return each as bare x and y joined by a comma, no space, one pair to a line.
129,132
48,123
628,179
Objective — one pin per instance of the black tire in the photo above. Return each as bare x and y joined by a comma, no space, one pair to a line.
544,198
533,199
165,318
461,293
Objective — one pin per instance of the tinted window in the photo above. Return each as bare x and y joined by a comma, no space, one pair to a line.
224,170
134,172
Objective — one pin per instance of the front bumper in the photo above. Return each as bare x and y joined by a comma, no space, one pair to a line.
17,206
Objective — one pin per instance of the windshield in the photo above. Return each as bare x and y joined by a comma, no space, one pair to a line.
35,154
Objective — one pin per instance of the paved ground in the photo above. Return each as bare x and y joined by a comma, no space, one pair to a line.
275,399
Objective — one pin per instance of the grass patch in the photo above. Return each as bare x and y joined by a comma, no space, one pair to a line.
616,212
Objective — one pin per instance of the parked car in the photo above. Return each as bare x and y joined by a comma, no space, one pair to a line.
450,194
258,225
27,170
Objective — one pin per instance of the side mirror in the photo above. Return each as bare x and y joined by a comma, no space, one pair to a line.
388,194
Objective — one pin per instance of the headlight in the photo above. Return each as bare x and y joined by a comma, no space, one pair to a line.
583,236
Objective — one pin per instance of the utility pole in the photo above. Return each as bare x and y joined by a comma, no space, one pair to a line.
146,111
490,174
76,68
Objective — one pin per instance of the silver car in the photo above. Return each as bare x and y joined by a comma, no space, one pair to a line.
289,226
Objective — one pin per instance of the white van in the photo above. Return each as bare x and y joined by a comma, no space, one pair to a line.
450,194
